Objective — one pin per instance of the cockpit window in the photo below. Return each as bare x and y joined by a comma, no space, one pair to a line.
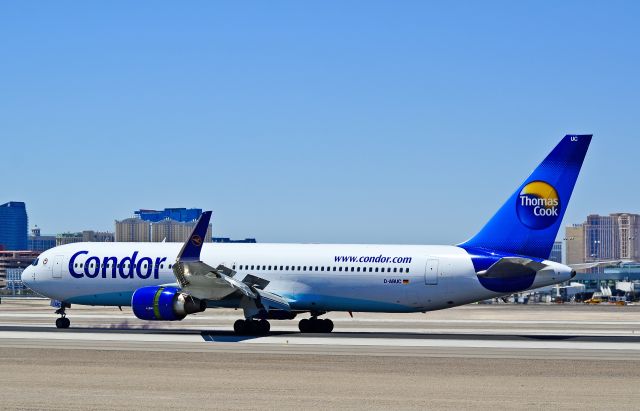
35,262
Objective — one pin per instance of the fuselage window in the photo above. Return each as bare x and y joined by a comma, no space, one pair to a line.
304,268
376,269
287,268
252,267
339,268
389,269
298,268
334,268
395,270
358,270
406,270
352,268
281,267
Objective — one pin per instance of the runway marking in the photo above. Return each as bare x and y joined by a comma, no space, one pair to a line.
446,343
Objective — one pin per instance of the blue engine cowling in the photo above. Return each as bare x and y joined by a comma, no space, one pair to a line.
164,304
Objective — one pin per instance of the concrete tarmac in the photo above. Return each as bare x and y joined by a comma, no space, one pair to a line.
472,357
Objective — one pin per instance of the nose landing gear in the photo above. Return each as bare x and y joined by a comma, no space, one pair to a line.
63,321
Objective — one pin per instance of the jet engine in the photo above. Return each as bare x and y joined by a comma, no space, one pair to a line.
164,304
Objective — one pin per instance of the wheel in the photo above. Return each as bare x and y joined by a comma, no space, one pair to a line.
240,327
305,325
327,325
264,327
63,322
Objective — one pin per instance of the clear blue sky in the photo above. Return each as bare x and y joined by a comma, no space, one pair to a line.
374,122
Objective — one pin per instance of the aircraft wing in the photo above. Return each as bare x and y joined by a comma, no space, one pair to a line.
208,283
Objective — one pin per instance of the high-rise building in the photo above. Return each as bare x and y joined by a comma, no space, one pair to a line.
39,242
133,230
175,231
556,252
170,225
13,226
574,244
602,238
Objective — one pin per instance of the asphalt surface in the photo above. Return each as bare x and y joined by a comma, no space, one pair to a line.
472,357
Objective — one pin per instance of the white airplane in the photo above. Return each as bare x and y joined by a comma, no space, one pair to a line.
169,281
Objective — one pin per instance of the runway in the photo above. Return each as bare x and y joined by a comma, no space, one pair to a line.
573,357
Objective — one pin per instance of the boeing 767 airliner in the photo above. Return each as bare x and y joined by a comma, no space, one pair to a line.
170,281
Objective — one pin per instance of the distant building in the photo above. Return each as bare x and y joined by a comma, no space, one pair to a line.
14,280
183,215
601,238
98,236
13,226
39,242
228,240
170,225
556,252
85,236
574,244
68,238
133,230
174,231
15,259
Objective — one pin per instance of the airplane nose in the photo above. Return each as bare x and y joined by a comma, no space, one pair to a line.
27,276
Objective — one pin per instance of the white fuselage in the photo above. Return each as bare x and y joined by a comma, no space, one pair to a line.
311,277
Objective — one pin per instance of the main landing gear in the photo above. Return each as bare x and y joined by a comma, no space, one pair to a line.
315,325
251,327
63,321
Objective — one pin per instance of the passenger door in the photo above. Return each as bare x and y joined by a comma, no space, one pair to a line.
58,262
431,271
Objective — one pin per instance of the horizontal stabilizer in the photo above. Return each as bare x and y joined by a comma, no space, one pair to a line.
509,267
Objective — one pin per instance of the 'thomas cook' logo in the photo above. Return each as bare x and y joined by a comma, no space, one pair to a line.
538,205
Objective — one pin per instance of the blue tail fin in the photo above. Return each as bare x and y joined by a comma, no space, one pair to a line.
527,224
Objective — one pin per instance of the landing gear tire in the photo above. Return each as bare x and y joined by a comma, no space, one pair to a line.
305,326
63,322
251,327
315,325
328,325
263,327
239,327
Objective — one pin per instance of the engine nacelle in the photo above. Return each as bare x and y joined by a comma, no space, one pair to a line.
164,304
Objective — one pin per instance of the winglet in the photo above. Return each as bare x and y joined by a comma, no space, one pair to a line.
191,249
